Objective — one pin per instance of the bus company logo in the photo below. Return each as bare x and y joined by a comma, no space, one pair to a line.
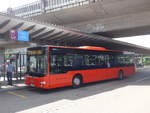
13,35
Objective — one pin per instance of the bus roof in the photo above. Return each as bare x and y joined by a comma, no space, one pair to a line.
87,48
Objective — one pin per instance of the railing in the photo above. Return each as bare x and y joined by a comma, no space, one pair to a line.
19,63
39,7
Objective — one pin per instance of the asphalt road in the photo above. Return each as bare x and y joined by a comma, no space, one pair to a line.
131,95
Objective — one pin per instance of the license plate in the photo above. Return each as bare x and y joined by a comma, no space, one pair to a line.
32,85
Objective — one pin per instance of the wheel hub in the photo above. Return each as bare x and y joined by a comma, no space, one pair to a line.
76,81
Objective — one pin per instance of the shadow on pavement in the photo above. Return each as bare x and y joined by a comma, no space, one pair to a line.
37,97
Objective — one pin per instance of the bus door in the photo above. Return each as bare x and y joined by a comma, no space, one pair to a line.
59,71
111,67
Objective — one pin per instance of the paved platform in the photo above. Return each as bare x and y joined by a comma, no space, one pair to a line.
130,95
16,84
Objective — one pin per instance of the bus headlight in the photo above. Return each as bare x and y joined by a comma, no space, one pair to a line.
42,82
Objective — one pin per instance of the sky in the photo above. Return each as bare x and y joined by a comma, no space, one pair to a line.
143,40
138,40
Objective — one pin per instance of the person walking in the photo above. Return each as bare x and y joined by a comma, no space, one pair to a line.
9,69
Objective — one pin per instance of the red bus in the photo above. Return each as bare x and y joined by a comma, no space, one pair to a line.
58,66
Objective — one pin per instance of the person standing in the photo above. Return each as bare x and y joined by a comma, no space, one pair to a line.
9,69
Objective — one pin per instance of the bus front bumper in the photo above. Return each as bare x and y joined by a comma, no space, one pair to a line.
36,82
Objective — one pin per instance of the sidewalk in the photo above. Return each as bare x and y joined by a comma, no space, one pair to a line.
17,84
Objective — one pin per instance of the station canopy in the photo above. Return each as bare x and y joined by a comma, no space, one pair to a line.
49,34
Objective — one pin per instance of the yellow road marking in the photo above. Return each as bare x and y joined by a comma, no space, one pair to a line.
18,95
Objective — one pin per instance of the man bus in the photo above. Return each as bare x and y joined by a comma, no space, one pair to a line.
58,66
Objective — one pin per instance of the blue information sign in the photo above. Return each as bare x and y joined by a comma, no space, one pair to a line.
23,36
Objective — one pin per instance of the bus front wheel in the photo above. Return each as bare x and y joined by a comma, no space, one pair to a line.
76,81
120,75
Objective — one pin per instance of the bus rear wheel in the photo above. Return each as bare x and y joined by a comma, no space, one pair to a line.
120,75
77,81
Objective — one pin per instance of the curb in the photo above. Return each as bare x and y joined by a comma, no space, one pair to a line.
12,88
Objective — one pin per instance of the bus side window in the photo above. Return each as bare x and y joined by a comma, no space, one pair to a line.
101,61
107,61
78,61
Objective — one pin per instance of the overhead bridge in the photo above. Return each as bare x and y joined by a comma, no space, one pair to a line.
44,33
110,18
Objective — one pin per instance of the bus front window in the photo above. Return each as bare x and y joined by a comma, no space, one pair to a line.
33,64
37,65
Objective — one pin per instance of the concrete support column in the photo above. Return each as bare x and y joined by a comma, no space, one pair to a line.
43,6
10,11
2,65
2,55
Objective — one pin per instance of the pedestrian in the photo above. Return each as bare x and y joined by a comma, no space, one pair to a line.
10,70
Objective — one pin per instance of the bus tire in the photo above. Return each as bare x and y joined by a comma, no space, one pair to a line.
120,75
77,81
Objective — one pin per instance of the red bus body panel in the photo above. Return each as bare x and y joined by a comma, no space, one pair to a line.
92,75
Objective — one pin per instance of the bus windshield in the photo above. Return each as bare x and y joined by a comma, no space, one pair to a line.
37,65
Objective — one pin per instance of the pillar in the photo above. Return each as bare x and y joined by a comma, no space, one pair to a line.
43,6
